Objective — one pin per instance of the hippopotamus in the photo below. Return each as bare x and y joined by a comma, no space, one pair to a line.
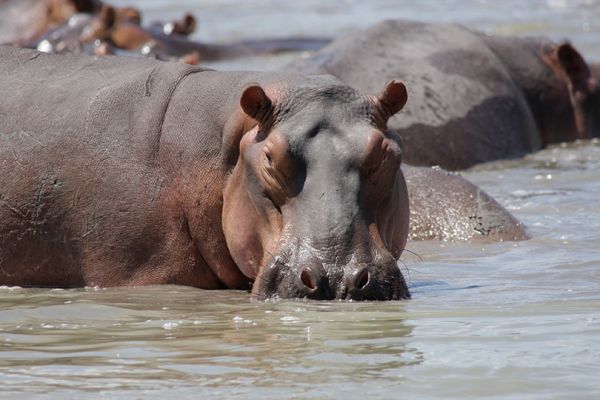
131,171
184,26
25,21
171,41
475,97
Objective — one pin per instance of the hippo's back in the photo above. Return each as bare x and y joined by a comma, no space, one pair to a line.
78,147
463,105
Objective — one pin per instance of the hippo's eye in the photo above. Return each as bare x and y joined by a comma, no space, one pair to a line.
268,158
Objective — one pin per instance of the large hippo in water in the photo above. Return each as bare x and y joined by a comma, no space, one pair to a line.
120,171
474,97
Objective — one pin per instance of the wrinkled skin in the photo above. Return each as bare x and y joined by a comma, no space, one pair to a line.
474,97
148,173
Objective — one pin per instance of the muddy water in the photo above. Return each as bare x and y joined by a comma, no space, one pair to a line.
505,320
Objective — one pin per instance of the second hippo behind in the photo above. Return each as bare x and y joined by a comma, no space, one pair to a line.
135,172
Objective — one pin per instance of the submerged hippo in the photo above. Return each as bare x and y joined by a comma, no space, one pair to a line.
22,22
474,97
171,41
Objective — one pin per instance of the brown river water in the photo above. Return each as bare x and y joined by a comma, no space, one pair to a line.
502,321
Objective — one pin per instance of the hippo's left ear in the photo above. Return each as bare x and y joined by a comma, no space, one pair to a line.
393,98
574,66
255,103
86,6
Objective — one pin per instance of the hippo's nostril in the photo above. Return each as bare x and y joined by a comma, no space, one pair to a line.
307,279
361,279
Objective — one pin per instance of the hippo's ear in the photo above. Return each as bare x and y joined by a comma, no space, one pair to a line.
189,24
86,6
573,65
108,16
393,98
255,103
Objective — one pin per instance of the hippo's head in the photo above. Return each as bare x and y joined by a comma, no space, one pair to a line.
59,11
105,26
316,205
186,26
584,90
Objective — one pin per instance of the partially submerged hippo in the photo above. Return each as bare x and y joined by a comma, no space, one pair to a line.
171,40
23,22
474,97
93,27
120,171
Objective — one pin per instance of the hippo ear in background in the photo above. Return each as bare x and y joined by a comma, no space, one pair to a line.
255,103
573,65
86,6
188,24
108,16
393,98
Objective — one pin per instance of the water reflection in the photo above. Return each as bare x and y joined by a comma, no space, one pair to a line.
142,337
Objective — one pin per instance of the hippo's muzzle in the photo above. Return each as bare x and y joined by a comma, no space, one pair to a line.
318,281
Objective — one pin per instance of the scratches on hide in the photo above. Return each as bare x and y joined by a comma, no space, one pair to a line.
148,83
6,203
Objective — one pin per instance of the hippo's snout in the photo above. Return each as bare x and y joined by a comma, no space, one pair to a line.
318,282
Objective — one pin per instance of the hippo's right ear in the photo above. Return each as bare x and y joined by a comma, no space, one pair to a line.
255,103
108,16
573,65
393,98
86,6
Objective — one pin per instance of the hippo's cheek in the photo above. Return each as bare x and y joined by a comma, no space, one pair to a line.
250,225
246,238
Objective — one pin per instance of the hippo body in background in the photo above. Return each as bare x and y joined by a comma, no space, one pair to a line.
23,22
474,97
92,27
167,44
445,206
